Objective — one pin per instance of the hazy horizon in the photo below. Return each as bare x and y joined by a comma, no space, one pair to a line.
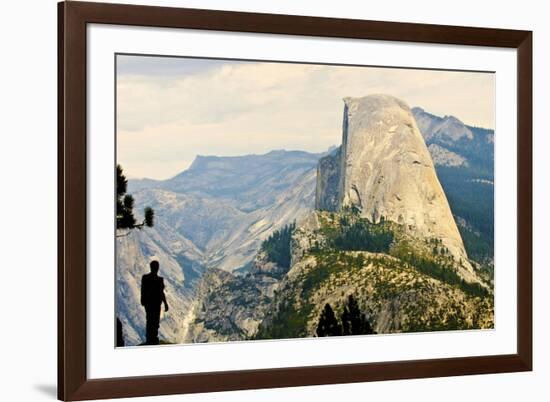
228,156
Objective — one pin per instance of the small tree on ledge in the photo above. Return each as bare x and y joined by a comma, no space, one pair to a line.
125,207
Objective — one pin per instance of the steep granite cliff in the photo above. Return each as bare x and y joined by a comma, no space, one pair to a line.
386,172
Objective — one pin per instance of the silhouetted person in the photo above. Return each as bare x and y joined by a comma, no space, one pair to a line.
152,296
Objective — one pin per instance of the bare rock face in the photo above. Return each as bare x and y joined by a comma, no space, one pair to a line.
231,307
328,181
443,157
386,172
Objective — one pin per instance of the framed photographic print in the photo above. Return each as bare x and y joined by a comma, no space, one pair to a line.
253,200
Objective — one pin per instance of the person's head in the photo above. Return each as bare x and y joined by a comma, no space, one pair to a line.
154,265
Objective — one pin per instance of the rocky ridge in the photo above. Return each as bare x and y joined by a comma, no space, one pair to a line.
447,128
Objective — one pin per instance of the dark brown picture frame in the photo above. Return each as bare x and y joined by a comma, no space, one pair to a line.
73,383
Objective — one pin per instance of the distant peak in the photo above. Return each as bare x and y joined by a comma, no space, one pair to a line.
453,119
200,160
417,110
433,126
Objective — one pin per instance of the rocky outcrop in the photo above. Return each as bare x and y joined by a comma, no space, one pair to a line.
396,295
444,157
386,172
230,307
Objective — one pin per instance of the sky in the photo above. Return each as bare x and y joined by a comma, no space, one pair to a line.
170,109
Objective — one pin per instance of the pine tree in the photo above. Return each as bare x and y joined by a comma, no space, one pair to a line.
125,206
277,245
328,324
353,321
346,322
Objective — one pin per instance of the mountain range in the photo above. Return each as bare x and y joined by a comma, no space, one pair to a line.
212,219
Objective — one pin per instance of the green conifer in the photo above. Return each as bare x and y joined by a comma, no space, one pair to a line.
328,324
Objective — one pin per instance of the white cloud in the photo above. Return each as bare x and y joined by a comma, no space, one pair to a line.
164,121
